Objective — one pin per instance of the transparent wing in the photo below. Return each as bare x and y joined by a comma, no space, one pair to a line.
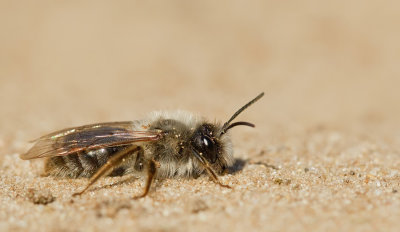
88,137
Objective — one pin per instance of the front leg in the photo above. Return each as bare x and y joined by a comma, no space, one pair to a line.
209,170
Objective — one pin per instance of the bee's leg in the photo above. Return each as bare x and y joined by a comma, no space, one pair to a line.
114,161
151,172
209,170
214,176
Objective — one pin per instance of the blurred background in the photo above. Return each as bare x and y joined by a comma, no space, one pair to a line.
321,63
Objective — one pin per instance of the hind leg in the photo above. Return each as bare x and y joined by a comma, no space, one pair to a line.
108,167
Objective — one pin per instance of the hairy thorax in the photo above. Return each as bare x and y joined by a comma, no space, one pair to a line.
173,150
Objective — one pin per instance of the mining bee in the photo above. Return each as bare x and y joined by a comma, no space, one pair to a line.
164,145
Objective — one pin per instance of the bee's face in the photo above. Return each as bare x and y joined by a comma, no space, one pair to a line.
207,143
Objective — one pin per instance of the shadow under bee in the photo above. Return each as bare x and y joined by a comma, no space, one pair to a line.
237,166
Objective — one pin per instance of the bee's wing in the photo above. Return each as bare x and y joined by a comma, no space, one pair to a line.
89,137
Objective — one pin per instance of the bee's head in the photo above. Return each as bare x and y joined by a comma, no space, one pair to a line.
209,148
209,142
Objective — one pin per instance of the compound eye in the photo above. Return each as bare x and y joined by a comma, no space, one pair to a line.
208,144
209,148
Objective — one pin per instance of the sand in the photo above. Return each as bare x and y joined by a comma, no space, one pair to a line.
324,155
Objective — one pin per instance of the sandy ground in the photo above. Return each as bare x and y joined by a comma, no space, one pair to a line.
325,154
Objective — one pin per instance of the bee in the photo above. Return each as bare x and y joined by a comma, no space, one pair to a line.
164,145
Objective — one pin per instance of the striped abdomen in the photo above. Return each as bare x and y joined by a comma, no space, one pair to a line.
85,164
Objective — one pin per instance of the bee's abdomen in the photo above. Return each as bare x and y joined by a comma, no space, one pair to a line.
83,164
